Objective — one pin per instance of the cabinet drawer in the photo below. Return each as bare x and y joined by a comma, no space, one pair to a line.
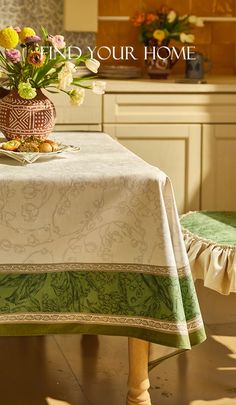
169,108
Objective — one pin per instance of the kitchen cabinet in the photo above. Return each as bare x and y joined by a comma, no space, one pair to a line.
188,131
219,167
175,149
87,117
158,129
84,20
169,107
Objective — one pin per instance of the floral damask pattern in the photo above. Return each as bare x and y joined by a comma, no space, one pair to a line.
94,240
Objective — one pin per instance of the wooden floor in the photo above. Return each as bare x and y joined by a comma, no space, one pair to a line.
90,370
76,370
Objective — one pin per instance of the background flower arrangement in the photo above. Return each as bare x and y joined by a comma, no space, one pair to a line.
25,68
165,25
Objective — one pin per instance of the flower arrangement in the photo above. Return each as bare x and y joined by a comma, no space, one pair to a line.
26,68
165,25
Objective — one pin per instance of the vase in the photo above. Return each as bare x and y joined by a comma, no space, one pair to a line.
160,59
21,118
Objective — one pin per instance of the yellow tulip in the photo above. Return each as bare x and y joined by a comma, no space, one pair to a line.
159,35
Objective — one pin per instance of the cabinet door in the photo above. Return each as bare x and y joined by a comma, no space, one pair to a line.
175,149
90,112
80,15
219,167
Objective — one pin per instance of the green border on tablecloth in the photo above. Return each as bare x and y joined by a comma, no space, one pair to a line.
166,339
158,309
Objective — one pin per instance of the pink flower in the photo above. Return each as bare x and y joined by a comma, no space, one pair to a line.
57,41
33,38
17,29
13,55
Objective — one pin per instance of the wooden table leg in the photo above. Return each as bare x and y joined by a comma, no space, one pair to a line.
138,381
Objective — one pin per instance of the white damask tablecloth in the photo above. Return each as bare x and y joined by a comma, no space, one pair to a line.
93,239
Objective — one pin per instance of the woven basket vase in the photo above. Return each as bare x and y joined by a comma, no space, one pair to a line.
21,118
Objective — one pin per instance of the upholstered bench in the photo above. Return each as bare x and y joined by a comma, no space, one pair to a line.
210,239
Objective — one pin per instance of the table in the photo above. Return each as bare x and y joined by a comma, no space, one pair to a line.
91,243
210,238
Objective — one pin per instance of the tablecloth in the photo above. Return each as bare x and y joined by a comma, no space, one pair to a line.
90,242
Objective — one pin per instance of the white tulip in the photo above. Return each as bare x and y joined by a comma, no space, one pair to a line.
65,80
77,96
182,37
98,87
69,67
188,38
92,64
199,22
171,16
192,19
183,17
65,76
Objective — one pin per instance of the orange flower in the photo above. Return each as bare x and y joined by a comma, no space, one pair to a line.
150,17
36,59
138,19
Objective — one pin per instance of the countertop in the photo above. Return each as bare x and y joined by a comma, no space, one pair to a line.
215,84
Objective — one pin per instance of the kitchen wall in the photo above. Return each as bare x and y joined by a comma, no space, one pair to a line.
35,13
217,40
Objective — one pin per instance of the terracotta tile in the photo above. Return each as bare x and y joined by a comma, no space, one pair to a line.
227,71
107,7
202,7
224,7
179,68
181,6
130,7
149,5
128,34
223,33
203,48
108,33
209,7
215,34
203,35
222,56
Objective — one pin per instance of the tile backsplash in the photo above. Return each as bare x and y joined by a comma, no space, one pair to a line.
35,13
216,40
